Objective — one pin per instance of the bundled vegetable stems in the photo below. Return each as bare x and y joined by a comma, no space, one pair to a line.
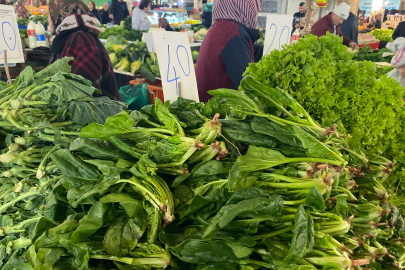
246,181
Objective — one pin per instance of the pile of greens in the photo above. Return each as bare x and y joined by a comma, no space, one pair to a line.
383,34
246,181
125,30
334,89
133,57
36,18
367,54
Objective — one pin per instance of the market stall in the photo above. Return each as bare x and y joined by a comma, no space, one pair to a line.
300,168
178,184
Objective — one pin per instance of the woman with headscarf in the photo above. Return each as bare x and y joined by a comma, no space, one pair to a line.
77,32
22,12
227,49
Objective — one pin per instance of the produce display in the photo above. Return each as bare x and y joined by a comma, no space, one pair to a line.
335,89
132,57
249,180
124,29
367,54
36,18
383,34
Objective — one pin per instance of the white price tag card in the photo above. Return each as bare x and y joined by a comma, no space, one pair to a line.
149,42
10,36
278,32
176,65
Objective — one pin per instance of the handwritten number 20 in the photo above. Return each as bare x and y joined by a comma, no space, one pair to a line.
281,34
181,66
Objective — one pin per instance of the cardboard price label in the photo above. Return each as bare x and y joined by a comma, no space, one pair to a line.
10,36
278,32
176,65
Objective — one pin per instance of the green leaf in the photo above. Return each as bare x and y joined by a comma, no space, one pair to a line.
248,203
92,222
114,125
303,238
96,111
197,252
236,99
284,134
96,149
43,258
315,200
122,236
80,256
61,65
315,148
275,96
169,120
131,205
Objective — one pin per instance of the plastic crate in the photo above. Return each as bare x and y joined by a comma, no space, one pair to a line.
153,91
373,46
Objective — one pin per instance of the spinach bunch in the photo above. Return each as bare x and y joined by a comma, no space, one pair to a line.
367,54
249,180
334,89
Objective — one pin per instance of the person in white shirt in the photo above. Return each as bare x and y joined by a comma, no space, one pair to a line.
140,20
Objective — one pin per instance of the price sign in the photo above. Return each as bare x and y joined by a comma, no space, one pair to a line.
149,42
278,32
10,36
176,65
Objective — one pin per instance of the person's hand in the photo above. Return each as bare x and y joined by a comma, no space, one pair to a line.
296,25
353,45
401,71
111,16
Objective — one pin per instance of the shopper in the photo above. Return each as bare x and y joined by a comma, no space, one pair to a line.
140,20
331,23
22,12
298,16
92,7
350,27
370,27
105,19
78,37
118,11
378,20
399,31
164,23
207,15
227,49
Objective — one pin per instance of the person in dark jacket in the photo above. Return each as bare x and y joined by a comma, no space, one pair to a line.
104,14
350,27
298,16
206,16
399,31
331,23
118,11
378,20
92,7
227,49
370,27
77,32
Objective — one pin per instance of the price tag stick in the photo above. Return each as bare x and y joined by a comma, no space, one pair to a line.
6,67
179,88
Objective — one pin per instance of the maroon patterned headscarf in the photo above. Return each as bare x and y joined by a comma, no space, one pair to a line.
242,11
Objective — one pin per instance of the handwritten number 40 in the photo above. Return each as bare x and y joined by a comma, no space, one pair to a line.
181,66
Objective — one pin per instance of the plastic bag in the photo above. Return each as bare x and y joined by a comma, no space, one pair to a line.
398,46
396,76
135,96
